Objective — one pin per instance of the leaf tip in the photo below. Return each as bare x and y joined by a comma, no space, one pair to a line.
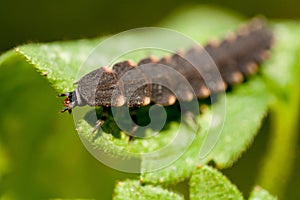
17,49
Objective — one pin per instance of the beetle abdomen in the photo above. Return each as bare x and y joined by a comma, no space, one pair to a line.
149,82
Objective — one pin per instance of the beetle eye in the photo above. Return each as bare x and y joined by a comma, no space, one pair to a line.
67,102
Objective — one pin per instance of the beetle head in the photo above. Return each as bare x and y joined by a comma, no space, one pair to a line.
69,102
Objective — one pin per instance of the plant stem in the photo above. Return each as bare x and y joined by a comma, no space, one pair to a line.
279,160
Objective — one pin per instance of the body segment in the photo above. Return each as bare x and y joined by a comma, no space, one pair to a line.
148,81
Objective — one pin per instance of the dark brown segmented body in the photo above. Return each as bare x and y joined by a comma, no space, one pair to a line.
235,57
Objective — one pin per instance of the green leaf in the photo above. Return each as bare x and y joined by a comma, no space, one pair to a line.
60,61
246,107
202,23
208,183
220,22
132,189
282,77
260,194
183,167
282,69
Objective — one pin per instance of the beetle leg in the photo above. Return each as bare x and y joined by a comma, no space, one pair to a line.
132,132
190,116
64,94
134,125
66,109
100,122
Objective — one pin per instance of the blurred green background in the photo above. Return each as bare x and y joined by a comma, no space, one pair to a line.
44,158
40,21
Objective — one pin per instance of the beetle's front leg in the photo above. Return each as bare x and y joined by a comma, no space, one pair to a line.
103,118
